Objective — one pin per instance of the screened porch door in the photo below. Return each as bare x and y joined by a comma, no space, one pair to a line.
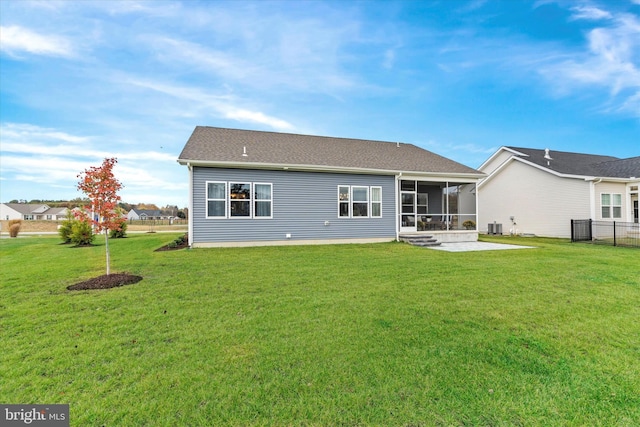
408,211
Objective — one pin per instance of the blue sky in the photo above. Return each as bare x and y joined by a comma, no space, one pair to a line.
84,80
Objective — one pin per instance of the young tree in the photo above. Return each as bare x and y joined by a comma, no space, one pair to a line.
101,187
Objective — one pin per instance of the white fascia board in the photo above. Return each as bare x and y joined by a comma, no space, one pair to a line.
542,168
336,169
497,153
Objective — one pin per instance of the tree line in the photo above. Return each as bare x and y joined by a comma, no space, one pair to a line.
172,210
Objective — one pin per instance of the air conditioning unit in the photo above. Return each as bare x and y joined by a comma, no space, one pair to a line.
494,228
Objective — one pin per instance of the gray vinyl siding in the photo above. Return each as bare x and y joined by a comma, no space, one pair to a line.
302,203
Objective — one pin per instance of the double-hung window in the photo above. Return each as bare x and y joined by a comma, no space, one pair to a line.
262,200
358,201
611,205
344,201
376,202
239,200
216,199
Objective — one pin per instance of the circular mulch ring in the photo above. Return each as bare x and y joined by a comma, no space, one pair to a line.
106,281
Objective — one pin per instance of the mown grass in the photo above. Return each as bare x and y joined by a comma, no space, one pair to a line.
385,334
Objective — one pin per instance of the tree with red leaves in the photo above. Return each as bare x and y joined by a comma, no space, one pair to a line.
101,187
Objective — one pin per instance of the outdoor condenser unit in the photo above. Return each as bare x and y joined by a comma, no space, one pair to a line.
494,228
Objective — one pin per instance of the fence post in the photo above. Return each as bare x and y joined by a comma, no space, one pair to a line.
614,233
590,230
572,240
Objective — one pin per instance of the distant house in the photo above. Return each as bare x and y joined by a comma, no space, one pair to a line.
145,214
31,211
268,188
539,191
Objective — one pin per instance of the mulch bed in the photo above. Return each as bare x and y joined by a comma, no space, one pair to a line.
174,246
106,281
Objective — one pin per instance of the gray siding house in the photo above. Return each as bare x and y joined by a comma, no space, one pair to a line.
268,188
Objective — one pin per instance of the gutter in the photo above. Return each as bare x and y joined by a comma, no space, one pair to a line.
321,168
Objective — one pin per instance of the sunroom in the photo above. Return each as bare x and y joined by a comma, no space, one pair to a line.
445,208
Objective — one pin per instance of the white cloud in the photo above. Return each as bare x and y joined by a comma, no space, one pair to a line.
589,13
21,131
219,104
15,40
610,61
52,159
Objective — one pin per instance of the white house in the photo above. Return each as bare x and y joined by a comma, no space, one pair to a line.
539,191
31,211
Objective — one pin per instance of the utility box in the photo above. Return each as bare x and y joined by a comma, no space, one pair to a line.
494,228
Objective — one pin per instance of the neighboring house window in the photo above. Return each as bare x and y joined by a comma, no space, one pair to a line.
28,217
359,201
239,200
216,199
611,205
376,202
49,217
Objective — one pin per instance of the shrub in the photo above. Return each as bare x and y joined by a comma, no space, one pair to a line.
14,227
66,228
469,224
81,233
118,233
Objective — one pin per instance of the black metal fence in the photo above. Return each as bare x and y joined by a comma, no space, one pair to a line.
614,233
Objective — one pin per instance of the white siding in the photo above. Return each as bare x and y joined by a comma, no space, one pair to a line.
612,188
9,213
541,203
495,162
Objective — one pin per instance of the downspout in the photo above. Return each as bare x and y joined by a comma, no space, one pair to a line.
477,212
397,200
592,196
190,168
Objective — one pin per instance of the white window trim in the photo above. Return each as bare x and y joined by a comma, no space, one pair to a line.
371,202
350,203
206,199
254,200
227,200
368,215
611,205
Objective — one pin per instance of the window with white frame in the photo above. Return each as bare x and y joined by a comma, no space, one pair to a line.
216,199
376,202
344,201
359,201
239,200
611,205
262,200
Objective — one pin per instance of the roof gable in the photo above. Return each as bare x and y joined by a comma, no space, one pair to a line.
27,208
210,145
569,163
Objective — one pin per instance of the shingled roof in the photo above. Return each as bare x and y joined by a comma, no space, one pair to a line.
247,148
582,164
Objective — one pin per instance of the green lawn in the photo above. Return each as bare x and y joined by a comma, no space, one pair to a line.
356,335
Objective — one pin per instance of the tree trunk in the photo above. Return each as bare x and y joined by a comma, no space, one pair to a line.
106,241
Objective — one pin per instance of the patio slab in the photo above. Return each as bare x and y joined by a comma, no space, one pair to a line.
476,246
